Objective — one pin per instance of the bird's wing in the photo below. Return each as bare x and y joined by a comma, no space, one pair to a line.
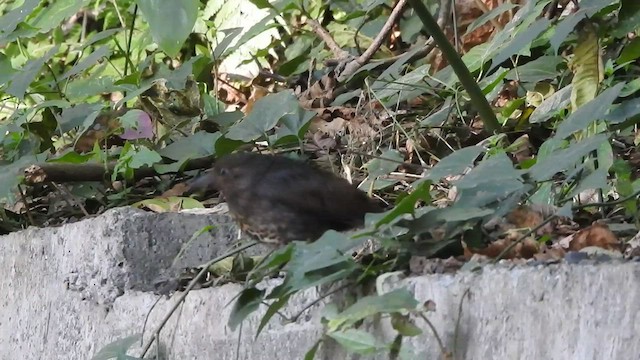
313,194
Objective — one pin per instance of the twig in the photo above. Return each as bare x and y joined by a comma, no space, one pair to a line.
523,237
443,349
65,173
75,199
326,37
26,205
192,284
456,331
312,303
357,63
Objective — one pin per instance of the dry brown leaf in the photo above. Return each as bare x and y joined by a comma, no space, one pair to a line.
177,190
257,93
597,234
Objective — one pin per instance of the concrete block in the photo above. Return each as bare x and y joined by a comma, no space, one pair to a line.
70,290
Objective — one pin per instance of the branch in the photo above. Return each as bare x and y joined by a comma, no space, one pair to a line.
65,173
326,37
357,63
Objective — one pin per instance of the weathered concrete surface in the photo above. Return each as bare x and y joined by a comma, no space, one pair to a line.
69,291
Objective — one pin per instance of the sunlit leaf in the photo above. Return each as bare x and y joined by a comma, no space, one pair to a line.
181,15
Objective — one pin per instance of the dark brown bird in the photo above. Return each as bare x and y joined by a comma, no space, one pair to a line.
279,200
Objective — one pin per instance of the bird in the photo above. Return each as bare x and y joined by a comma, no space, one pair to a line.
277,199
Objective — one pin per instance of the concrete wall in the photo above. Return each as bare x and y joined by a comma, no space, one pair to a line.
69,291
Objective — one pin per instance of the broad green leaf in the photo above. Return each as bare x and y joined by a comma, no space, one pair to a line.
597,180
551,105
11,174
143,156
408,203
87,62
564,159
322,261
72,157
381,166
455,163
118,349
628,18
357,341
497,167
542,68
10,20
404,83
248,302
565,27
23,78
78,115
439,117
623,111
170,22
396,301
272,310
404,325
253,31
197,145
51,16
520,41
265,115
295,124
595,109
229,36
488,16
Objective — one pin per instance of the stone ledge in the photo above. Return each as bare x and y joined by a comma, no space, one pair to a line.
70,290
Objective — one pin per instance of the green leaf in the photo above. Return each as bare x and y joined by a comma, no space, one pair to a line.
10,20
248,302
265,115
396,301
118,349
200,144
542,68
322,261
455,163
87,62
408,203
295,124
595,109
11,174
565,27
564,159
357,341
404,325
379,167
144,157
51,16
23,78
72,157
488,16
81,114
520,41
272,310
229,36
311,354
551,105
170,22
626,110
